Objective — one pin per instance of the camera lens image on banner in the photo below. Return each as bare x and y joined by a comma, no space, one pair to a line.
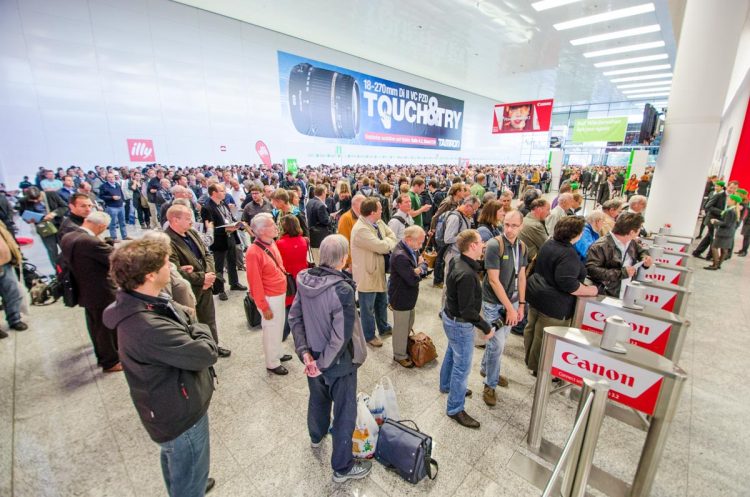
326,101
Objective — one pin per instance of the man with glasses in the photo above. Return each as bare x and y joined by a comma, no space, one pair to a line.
457,221
503,296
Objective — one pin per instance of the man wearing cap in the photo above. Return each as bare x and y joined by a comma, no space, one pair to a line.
715,205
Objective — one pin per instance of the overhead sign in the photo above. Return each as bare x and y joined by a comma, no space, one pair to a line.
326,101
649,333
522,117
608,129
629,385
141,150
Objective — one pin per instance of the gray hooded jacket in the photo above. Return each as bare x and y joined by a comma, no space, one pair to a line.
325,322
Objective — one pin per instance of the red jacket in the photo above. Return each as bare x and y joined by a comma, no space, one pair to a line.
264,277
293,251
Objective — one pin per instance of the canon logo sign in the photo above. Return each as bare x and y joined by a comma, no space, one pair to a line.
600,317
598,369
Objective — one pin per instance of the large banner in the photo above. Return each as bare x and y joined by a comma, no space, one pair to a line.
327,101
608,129
522,117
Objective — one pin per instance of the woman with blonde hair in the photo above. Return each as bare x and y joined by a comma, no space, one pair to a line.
343,196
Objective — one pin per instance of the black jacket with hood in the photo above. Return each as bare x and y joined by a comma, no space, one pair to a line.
167,362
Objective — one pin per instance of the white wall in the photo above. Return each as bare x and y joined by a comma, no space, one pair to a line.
78,78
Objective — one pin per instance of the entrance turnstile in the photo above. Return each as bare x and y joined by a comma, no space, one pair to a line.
656,330
639,379
666,273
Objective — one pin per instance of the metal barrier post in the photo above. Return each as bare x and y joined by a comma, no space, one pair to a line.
590,437
541,393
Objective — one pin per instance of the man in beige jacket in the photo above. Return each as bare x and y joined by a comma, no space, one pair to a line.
10,258
371,244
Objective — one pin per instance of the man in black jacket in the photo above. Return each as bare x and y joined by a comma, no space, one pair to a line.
168,365
318,220
87,258
225,243
407,269
715,205
79,206
463,304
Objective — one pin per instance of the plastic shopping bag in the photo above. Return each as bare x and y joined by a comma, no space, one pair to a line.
383,404
376,404
365,436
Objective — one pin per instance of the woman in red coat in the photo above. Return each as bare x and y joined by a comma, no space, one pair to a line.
293,248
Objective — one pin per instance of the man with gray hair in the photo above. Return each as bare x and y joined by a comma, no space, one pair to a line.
637,204
329,340
565,202
87,258
455,222
591,233
178,191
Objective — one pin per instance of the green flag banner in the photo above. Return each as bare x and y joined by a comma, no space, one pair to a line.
291,166
608,129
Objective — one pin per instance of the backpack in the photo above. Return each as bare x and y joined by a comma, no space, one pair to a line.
401,220
440,228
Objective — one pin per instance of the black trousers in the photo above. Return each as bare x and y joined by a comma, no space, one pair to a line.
50,243
103,339
705,241
144,215
342,393
204,309
439,274
745,244
228,257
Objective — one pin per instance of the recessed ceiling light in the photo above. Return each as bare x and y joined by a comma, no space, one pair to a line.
606,16
653,28
632,60
646,91
641,85
640,78
649,95
627,48
551,4
634,70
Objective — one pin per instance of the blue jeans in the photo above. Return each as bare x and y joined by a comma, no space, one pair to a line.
454,373
342,393
118,218
373,309
185,461
493,352
11,295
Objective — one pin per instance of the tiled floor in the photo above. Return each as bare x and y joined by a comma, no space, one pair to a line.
68,430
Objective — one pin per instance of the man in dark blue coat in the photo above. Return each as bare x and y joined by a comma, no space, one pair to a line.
111,194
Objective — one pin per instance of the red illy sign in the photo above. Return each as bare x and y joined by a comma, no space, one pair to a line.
630,385
648,333
141,150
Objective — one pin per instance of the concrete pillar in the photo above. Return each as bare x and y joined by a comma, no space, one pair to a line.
703,67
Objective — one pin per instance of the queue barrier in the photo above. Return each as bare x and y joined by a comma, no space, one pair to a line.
665,296
666,273
657,330
639,379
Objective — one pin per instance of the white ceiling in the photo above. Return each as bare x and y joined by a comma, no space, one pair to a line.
500,49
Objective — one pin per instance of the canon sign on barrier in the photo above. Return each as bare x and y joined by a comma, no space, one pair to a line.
648,333
629,385
662,275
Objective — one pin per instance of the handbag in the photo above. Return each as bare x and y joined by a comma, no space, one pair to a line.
291,285
310,259
251,312
430,254
421,349
406,451
46,228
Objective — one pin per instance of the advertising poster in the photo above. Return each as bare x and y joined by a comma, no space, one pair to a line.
141,150
522,117
608,129
326,101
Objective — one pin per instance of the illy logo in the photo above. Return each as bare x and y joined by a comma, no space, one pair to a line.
141,150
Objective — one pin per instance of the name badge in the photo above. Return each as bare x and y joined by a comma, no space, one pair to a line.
505,257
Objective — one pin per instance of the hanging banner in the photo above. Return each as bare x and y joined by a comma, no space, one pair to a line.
291,166
522,117
328,101
608,129
263,152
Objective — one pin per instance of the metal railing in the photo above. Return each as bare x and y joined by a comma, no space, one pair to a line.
578,453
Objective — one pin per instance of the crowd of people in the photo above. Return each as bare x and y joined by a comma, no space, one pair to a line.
327,252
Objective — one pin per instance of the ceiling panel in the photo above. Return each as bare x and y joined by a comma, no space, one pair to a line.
501,49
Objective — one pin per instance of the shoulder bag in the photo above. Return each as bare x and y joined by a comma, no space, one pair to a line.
405,450
291,285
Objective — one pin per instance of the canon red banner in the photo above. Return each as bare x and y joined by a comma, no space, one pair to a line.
522,117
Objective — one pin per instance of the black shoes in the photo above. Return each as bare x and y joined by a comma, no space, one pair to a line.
281,371
712,268
210,484
741,254
285,357
224,352
464,420
223,296
3,334
238,287
19,326
468,392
